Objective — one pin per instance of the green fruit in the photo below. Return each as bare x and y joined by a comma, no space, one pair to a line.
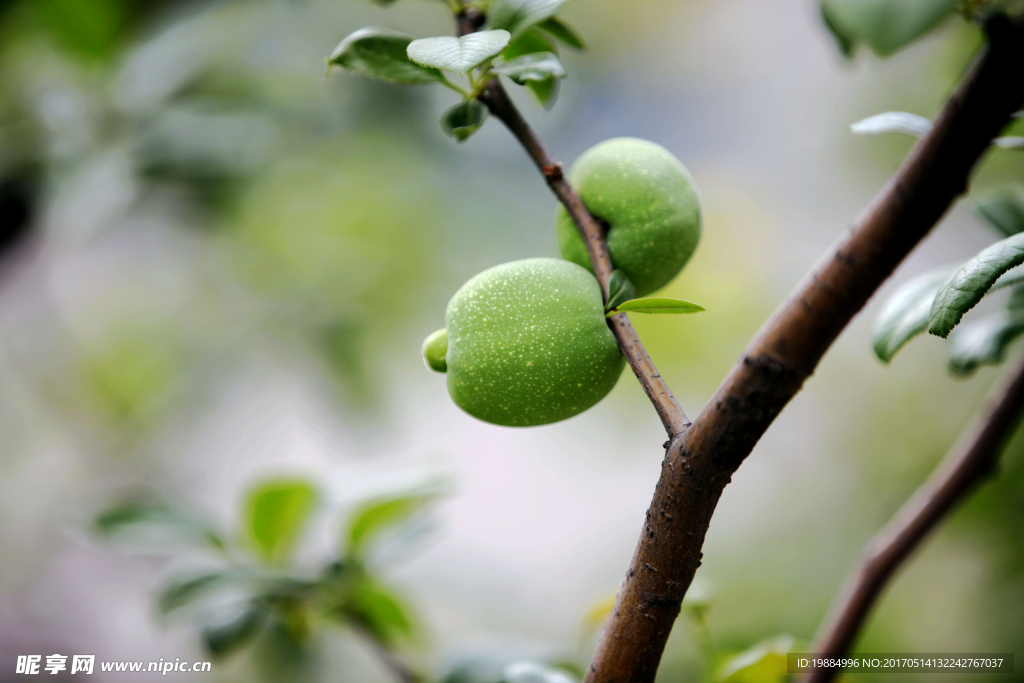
649,202
527,343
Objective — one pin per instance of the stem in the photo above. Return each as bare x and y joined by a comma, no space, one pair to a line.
399,669
700,463
457,88
671,414
967,464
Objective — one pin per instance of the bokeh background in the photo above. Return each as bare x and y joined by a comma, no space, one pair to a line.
219,264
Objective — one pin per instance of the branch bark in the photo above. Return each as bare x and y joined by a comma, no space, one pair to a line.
669,410
700,462
972,460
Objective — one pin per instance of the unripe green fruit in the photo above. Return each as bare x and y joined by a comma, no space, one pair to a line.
648,200
527,344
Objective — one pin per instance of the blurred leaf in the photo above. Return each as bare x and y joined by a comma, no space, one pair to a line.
382,514
620,290
1004,210
276,512
657,304
538,66
983,341
177,594
972,281
534,672
1012,142
380,613
133,374
563,32
152,524
459,55
516,16
223,638
893,122
382,53
597,615
463,119
545,91
89,28
885,26
530,42
763,663
906,313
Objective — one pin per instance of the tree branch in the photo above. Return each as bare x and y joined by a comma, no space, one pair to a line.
967,464
671,414
700,463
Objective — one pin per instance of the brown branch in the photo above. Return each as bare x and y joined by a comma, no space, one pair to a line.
967,464
700,463
671,414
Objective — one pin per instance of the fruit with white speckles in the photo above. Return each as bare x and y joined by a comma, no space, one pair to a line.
527,344
649,202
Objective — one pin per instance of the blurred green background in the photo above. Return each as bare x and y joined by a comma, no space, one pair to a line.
219,264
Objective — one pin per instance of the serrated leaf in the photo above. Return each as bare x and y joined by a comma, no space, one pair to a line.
972,281
563,32
463,119
893,122
517,16
983,341
230,634
539,66
179,593
527,671
381,53
376,516
906,313
657,304
276,513
1004,210
459,55
620,290
885,26
530,42
152,525
380,612
1011,278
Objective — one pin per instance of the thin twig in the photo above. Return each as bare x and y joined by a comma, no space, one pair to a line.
969,462
700,463
401,671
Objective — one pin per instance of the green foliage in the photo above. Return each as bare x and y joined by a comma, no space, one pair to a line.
657,304
382,53
886,26
377,516
534,67
984,341
225,638
276,513
459,55
563,32
620,290
906,313
971,282
762,663
150,525
179,593
88,28
518,16
1004,210
463,119
379,612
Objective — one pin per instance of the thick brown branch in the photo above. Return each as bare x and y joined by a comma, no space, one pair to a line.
968,463
671,414
700,463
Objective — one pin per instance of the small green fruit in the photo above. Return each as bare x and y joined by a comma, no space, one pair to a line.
648,200
527,344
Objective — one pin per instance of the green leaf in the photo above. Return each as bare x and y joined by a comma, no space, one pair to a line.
968,285
762,663
152,525
545,91
381,53
517,16
276,512
885,26
227,636
527,671
657,304
463,119
1004,210
906,313
983,341
893,122
1009,142
563,32
382,514
538,66
179,593
620,290
530,42
380,612
459,55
